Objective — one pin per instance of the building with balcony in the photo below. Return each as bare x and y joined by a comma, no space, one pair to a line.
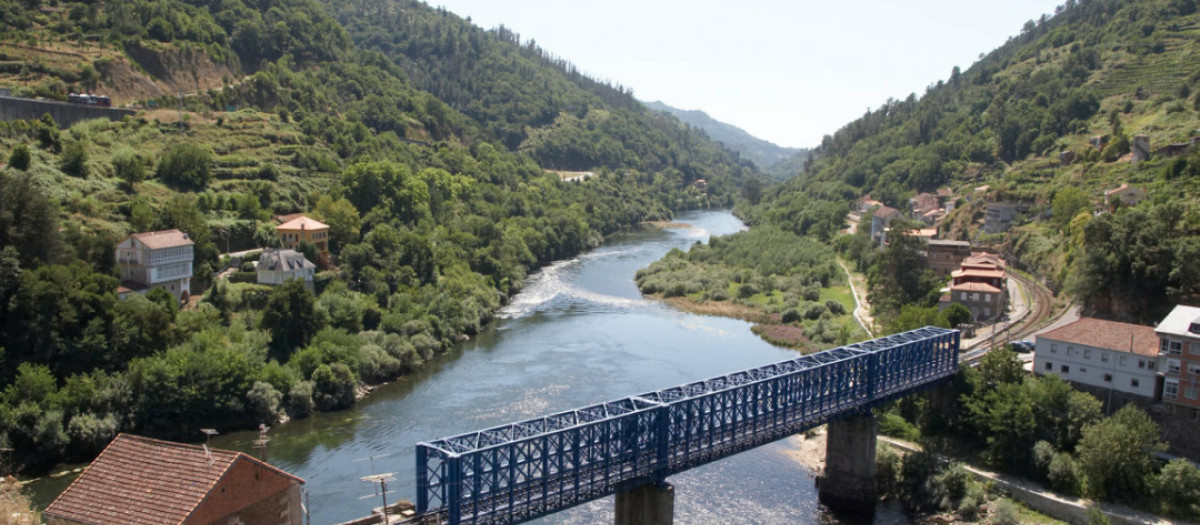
945,257
161,259
1179,356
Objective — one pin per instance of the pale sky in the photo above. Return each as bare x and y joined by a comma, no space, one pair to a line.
788,72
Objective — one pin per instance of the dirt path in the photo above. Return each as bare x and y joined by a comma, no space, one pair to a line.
862,309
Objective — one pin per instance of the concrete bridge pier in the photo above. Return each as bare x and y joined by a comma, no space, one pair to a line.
652,504
848,483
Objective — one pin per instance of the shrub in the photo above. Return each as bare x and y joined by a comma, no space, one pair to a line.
887,470
299,400
1043,454
129,166
73,160
185,164
891,424
264,402
1063,474
20,157
334,387
790,315
835,307
1006,513
747,290
813,312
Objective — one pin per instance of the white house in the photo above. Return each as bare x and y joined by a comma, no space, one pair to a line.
161,259
279,266
1104,354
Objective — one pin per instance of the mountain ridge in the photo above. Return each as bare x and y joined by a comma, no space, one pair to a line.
770,158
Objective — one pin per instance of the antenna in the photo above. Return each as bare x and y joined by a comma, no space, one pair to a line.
382,480
208,434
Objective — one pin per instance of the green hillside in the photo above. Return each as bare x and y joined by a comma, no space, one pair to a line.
531,101
993,133
251,109
768,157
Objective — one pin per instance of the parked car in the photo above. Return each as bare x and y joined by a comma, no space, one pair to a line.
1022,347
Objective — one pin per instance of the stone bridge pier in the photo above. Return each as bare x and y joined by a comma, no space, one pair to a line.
652,504
848,484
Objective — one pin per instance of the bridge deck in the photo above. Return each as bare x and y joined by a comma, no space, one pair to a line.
520,471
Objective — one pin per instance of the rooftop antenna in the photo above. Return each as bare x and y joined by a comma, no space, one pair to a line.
208,434
382,480
262,440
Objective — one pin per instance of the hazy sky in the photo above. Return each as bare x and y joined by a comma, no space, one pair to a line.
786,71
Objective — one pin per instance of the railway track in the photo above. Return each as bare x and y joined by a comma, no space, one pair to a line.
1041,312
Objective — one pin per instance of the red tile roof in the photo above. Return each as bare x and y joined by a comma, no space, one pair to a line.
163,239
1108,334
974,287
142,481
884,212
304,223
977,273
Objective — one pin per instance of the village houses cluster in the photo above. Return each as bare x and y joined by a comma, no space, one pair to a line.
163,259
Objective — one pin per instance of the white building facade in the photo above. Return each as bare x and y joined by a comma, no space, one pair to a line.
1122,357
161,259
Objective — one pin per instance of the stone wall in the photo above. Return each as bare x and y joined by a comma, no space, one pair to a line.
65,114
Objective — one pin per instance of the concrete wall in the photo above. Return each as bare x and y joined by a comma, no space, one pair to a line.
64,114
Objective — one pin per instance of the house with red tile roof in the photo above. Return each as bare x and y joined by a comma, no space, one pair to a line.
143,481
161,259
980,284
302,228
1109,355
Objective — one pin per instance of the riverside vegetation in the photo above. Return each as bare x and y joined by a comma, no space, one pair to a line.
434,186
993,133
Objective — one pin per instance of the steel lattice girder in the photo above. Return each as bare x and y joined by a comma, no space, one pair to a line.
516,472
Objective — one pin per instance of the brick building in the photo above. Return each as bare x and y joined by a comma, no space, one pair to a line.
946,256
143,481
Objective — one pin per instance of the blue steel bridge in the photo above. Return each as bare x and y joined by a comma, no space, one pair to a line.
521,471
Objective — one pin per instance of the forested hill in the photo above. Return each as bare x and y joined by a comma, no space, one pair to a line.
766,155
993,133
248,110
531,101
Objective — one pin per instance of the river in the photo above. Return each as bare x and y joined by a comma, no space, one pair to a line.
579,333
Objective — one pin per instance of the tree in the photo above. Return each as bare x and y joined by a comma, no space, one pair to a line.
341,216
956,314
1116,455
1067,203
19,158
290,317
186,164
28,220
334,386
129,166
1178,489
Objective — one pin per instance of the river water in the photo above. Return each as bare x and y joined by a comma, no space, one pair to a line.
579,333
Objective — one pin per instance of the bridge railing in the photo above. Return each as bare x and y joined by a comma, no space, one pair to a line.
516,472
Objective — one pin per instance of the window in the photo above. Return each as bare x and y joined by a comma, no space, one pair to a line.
1171,389
1104,357
1049,366
1172,366
1134,383
1070,350
1087,353
1195,414
1053,348
1170,347
1107,378
1194,348
1193,368
987,298
1065,369
1082,370
1191,392
1141,363
1124,360
964,296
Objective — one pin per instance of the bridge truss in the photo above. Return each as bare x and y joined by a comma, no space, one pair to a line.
520,471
